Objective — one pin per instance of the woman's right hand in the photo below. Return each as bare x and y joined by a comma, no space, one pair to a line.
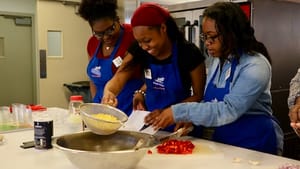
109,98
159,118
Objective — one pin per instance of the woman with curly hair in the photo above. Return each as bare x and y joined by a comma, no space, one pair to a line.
107,48
237,99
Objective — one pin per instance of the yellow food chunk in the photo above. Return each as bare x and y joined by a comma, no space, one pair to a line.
106,117
102,123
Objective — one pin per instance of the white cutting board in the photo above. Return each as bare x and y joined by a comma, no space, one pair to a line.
201,150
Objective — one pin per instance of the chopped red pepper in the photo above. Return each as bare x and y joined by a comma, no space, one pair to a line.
149,152
176,147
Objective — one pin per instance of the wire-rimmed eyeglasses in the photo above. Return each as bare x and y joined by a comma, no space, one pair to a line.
109,31
208,38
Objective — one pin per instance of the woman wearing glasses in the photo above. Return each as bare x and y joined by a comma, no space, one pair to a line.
171,65
106,49
237,99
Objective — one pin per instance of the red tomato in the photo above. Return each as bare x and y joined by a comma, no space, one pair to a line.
176,147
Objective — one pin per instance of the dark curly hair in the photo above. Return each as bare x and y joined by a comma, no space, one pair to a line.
235,28
92,10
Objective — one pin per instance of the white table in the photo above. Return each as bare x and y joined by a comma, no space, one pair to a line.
211,155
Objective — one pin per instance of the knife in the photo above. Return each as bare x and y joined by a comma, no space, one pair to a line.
176,134
30,144
144,127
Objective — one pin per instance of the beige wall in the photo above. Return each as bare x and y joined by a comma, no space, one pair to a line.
56,16
19,6
72,66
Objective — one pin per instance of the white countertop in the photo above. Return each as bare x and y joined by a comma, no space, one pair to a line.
208,155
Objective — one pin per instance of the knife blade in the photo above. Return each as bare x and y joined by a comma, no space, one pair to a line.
176,134
144,127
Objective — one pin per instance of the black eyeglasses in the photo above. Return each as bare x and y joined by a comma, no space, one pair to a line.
209,39
109,31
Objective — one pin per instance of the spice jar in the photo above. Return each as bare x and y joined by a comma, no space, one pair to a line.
74,120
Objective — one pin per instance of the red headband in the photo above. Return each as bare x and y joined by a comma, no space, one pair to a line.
149,14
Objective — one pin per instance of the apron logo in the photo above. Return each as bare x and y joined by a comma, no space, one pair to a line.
159,83
96,71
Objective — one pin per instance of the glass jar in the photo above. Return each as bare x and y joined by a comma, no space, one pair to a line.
74,121
75,102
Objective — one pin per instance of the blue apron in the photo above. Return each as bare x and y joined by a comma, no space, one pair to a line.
249,131
100,72
164,85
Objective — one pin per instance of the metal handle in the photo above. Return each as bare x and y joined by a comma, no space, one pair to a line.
176,133
192,32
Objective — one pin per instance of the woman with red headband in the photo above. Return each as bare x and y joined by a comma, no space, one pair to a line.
106,49
173,68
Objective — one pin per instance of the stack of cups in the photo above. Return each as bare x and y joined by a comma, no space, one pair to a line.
5,116
22,116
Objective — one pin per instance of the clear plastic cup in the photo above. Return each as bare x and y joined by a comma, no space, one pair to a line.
21,114
5,116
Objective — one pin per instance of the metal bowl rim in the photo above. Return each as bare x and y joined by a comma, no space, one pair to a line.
97,152
56,145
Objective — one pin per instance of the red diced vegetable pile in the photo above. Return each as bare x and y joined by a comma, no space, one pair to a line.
176,147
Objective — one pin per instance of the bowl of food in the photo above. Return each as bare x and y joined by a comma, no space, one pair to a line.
102,119
87,150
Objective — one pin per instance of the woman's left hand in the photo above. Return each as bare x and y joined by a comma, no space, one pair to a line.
160,118
138,102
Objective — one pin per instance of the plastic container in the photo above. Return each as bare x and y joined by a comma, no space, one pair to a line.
75,102
74,121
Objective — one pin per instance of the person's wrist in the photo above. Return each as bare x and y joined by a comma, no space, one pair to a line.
143,93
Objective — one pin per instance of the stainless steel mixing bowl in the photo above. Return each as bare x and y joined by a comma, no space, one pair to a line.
87,150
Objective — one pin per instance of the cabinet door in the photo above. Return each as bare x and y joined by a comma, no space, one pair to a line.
197,27
190,23
197,30
184,20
